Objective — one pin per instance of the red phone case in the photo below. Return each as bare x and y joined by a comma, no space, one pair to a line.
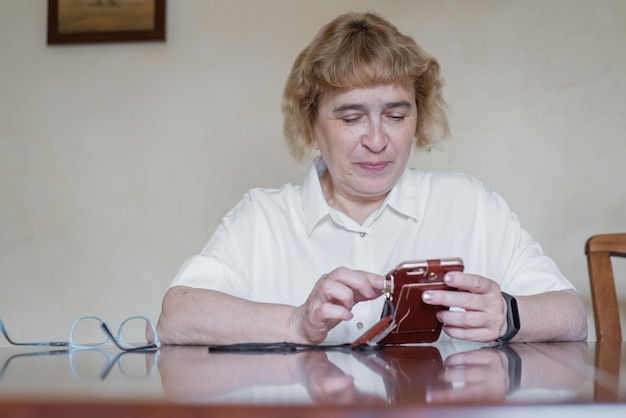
373,335
416,322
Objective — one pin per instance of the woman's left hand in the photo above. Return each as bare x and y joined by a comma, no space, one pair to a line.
484,315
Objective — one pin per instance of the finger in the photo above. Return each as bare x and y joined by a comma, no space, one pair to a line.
319,318
471,334
376,280
471,325
330,290
332,313
454,298
366,285
485,297
464,319
470,282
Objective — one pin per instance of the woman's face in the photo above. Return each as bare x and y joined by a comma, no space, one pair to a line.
365,137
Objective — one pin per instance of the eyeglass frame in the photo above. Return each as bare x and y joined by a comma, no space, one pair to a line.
71,343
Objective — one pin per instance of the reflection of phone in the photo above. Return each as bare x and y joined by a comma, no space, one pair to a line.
409,373
415,320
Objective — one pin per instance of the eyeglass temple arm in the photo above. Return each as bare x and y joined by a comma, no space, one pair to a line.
38,343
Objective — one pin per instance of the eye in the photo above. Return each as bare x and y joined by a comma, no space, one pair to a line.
398,114
397,117
349,119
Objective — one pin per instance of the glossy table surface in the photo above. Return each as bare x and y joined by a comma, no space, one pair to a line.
551,379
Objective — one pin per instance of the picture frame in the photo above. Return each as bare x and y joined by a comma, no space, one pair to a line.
101,21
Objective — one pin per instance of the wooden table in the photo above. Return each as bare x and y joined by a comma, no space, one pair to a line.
529,380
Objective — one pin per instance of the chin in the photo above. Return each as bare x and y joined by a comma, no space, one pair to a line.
374,192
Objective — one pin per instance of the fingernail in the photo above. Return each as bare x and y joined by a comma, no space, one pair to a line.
448,278
427,296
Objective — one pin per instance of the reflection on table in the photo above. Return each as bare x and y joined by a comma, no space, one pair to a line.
394,376
517,374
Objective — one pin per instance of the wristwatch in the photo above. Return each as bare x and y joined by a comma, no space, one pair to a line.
512,318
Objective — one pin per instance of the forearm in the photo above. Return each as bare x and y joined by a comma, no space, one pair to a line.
552,316
192,316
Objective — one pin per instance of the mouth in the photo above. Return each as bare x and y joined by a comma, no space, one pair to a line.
374,167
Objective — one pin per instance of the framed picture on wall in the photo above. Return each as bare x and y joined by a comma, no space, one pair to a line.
96,21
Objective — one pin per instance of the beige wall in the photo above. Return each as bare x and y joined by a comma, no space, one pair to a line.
118,161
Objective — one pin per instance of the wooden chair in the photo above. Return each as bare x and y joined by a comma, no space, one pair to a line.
599,250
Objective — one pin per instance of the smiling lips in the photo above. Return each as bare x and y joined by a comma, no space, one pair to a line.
374,167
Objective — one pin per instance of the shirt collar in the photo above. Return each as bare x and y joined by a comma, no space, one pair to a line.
402,198
315,206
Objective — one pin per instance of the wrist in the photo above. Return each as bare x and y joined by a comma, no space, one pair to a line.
298,328
512,319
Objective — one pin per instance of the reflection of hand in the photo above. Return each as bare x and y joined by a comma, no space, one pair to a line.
484,315
479,374
327,383
331,302
491,373
188,372
324,380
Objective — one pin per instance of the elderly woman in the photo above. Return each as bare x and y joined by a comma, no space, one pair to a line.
305,264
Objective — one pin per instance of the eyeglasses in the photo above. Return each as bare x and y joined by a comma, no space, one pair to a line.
89,332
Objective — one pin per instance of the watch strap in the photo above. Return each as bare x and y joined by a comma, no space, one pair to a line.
512,318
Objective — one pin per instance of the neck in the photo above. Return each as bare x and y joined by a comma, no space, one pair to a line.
356,207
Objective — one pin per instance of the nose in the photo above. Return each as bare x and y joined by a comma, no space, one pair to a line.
375,139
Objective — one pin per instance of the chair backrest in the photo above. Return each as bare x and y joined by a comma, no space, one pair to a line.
599,250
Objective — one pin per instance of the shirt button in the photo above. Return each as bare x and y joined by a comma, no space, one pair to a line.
362,234
359,325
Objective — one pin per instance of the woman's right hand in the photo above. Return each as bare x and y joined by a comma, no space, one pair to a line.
331,302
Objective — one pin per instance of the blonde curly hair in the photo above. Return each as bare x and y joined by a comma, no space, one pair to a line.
361,50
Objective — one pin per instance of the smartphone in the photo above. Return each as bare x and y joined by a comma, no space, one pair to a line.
416,321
